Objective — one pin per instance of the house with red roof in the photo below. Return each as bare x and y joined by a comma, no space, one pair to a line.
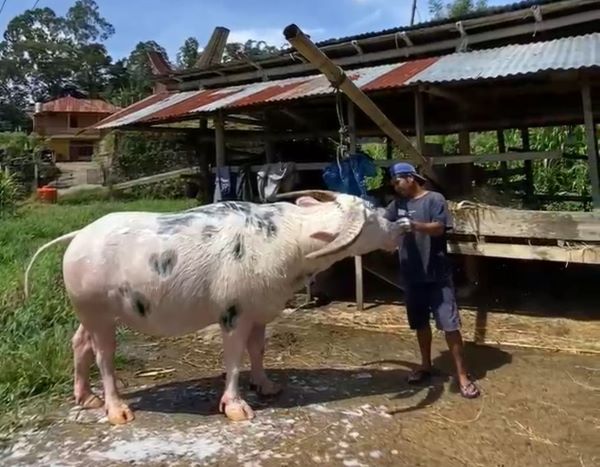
61,120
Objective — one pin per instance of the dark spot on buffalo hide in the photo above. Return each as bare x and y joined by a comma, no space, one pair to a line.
140,303
229,318
163,265
172,223
138,300
209,232
238,248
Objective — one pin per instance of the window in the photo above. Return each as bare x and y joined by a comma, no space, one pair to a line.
73,122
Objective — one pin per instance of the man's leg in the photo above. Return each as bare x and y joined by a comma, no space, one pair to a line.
417,310
448,320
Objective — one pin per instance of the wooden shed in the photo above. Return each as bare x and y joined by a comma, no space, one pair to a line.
527,65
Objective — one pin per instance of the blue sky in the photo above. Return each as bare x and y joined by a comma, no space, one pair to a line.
170,22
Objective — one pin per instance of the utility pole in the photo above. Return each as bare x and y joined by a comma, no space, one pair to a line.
412,15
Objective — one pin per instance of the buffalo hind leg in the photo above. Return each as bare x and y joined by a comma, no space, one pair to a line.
256,351
105,345
83,358
235,338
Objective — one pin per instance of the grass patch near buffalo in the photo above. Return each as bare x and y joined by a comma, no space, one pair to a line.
35,334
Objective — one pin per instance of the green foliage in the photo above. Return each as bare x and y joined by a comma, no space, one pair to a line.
250,49
8,194
17,144
141,154
188,53
456,8
35,345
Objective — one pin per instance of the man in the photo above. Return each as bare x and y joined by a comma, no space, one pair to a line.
426,271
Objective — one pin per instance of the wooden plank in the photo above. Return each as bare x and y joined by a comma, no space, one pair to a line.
337,76
483,220
584,254
437,160
592,143
507,156
155,178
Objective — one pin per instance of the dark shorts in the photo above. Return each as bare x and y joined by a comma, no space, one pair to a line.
437,299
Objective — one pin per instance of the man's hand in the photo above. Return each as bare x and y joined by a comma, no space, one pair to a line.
434,229
405,223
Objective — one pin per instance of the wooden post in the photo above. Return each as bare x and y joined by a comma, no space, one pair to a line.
419,121
219,123
202,151
269,143
503,164
529,189
358,268
337,76
592,144
464,147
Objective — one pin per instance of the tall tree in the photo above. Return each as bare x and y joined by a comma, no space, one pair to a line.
188,53
455,8
250,49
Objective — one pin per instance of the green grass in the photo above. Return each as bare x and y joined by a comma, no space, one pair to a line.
36,359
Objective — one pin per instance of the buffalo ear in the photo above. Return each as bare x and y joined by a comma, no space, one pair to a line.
324,236
307,201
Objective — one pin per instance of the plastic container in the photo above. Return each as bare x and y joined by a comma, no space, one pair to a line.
47,194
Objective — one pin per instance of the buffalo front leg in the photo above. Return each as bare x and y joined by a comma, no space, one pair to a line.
256,351
235,337
105,345
83,358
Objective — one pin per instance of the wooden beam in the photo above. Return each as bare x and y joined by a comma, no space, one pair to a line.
580,254
154,178
219,124
213,52
492,221
507,156
337,76
592,143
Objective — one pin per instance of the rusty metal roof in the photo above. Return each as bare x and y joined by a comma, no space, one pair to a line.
582,52
179,105
72,104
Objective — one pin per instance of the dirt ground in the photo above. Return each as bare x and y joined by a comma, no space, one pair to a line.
345,403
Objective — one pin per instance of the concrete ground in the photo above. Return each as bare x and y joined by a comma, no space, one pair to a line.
346,403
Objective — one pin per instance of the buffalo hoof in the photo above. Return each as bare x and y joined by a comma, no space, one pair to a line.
236,410
119,414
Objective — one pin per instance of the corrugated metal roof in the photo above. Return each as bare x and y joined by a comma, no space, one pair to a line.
582,52
72,104
570,53
168,106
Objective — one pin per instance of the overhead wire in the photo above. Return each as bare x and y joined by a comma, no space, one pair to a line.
2,7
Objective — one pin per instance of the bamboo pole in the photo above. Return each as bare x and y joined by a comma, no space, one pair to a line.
338,78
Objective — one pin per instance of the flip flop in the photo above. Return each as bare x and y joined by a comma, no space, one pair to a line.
469,391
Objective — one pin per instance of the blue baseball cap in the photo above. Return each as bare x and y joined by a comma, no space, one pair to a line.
404,169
